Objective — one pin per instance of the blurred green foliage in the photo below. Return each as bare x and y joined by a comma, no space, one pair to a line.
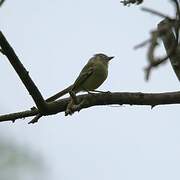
19,163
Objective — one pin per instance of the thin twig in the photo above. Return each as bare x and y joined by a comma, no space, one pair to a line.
152,11
142,44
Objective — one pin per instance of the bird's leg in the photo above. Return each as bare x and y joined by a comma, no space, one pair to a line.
73,101
75,107
69,108
73,96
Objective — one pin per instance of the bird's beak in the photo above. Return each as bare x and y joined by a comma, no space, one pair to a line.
111,57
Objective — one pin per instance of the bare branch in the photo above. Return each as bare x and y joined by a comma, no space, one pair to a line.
22,73
120,98
177,24
169,41
172,24
1,2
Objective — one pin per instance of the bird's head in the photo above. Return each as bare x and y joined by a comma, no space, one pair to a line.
103,58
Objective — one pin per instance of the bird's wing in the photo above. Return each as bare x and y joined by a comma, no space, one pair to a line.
83,76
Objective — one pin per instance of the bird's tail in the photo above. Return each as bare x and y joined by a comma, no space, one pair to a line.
59,94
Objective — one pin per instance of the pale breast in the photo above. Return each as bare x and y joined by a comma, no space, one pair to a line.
98,76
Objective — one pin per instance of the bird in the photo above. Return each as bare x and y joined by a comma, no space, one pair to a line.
92,76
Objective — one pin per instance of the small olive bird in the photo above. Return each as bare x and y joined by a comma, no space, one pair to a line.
90,78
93,74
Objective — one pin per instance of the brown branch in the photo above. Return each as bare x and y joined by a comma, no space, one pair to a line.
177,22
164,32
151,99
18,115
22,73
1,2
170,44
